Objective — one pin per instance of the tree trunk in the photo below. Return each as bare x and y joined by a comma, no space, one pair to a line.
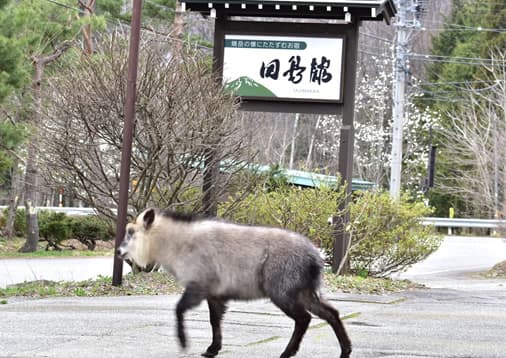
32,225
311,144
294,137
211,173
178,30
31,173
88,8
281,161
13,201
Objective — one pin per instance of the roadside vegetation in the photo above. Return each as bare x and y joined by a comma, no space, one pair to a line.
70,248
386,237
60,235
498,271
160,283
152,283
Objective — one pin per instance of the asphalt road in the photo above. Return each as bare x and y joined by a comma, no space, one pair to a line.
429,323
18,270
455,264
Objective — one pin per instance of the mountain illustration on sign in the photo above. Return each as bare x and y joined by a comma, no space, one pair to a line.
245,86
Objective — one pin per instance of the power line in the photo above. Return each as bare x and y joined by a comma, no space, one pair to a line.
377,49
375,54
66,6
475,29
441,99
114,21
456,83
447,26
376,37
457,60
160,6
456,90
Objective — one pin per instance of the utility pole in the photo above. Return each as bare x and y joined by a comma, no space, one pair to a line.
399,112
408,17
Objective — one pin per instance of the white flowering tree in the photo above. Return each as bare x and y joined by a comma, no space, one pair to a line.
373,129
373,108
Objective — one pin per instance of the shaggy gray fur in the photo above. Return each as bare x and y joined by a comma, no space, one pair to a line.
218,261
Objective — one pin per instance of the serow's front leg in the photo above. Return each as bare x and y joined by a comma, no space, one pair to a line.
193,295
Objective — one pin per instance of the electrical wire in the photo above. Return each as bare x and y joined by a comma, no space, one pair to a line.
66,6
374,54
376,37
457,60
457,83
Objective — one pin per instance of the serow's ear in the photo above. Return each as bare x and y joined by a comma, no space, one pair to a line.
149,217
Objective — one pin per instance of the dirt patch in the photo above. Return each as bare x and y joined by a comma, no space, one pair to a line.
152,283
498,271
77,245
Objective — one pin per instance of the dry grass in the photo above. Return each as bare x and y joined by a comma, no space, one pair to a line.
10,248
498,271
154,283
367,285
160,283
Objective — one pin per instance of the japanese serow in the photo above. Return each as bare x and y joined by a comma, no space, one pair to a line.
220,261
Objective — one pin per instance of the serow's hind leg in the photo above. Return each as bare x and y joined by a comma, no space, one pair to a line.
325,311
298,313
216,310
193,295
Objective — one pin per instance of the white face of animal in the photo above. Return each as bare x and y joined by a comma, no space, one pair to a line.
136,243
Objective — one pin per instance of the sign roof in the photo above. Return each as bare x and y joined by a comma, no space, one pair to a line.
365,10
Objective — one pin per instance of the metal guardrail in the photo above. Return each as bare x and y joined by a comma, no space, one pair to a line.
67,210
437,222
466,222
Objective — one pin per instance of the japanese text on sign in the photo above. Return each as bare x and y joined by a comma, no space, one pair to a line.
263,66
318,71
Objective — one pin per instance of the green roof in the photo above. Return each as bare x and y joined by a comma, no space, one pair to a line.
311,180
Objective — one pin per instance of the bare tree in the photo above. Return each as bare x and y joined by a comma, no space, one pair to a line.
294,139
32,168
14,198
474,143
309,158
88,9
181,109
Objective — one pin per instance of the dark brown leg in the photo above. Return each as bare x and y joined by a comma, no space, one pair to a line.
298,313
216,311
192,297
328,313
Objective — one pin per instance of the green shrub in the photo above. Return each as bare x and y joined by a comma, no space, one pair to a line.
387,236
89,229
54,228
305,211
19,221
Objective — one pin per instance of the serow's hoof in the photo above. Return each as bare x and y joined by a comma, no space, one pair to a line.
346,354
212,350
182,340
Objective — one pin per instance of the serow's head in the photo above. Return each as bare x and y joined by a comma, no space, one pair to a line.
136,245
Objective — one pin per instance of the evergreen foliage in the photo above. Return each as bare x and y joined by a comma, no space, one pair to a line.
56,228
11,135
